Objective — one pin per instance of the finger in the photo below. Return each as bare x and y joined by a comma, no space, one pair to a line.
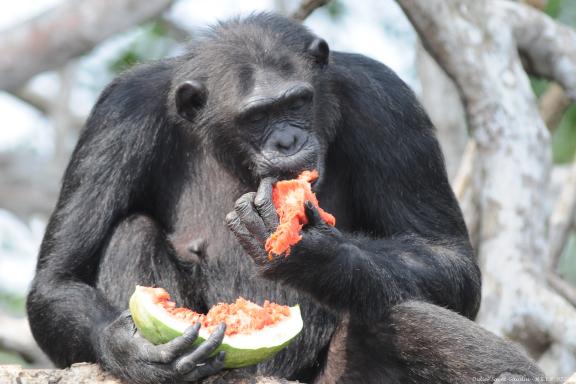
166,353
312,214
248,215
252,246
187,363
123,324
121,330
211,367
264,204
125,318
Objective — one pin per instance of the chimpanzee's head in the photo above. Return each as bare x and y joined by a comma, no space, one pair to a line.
254,92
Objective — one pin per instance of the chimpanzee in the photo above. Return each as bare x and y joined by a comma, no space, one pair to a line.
173,146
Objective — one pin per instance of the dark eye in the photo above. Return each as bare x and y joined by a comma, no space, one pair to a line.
256,117
298,103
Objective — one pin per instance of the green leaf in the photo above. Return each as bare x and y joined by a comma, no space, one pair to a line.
564,138
553,8
539,85
12,303
335,9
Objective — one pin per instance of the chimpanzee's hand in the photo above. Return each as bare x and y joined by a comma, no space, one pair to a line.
129,356
253,220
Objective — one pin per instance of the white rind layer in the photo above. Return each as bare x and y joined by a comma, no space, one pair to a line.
269,336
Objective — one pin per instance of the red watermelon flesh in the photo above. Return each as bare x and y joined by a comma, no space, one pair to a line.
289,197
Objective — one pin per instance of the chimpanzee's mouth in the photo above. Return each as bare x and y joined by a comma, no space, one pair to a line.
293,175
289,167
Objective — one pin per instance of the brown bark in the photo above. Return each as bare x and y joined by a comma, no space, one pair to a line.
84,373
442,102
477,44
552,105
307,7
550,47
69,30
24,344
563,218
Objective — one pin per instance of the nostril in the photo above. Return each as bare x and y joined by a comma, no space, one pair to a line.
286,142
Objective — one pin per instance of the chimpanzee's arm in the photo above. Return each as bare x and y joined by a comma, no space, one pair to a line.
410,240
114,172
100,187
367,276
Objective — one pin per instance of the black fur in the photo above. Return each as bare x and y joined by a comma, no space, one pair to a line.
160,165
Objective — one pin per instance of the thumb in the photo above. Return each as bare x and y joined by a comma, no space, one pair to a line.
312,214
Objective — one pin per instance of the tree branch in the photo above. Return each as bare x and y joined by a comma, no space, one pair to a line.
15,336
307,7
92,374
562,219
33,99
552,105
442,102
550,46
466,190
476,43
69,30
43,105
563,288
29,185
463,178
178,33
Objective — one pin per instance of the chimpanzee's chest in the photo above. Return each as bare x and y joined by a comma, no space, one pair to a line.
199,229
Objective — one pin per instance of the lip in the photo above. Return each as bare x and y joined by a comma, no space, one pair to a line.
289,167
291,175
314,183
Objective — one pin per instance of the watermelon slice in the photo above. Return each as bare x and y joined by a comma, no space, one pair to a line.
253,333
289,197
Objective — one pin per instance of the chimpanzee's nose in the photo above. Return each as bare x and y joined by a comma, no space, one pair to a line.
286,141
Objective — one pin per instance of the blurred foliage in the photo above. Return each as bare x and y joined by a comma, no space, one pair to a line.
153,42
11,358
564,137
13,304
566,12
539,85
567,264
335,9
553,8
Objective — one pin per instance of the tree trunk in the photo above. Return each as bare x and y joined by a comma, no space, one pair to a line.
70,30
477,43
84,373
442,103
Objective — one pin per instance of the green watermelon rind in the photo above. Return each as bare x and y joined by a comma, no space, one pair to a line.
158,327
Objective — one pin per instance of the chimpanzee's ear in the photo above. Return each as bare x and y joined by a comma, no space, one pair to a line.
319,50
190,98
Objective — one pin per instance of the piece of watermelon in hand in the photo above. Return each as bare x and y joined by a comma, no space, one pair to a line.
289,197
253,333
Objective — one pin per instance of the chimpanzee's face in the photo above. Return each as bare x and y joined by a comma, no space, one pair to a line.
259,112
276,122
